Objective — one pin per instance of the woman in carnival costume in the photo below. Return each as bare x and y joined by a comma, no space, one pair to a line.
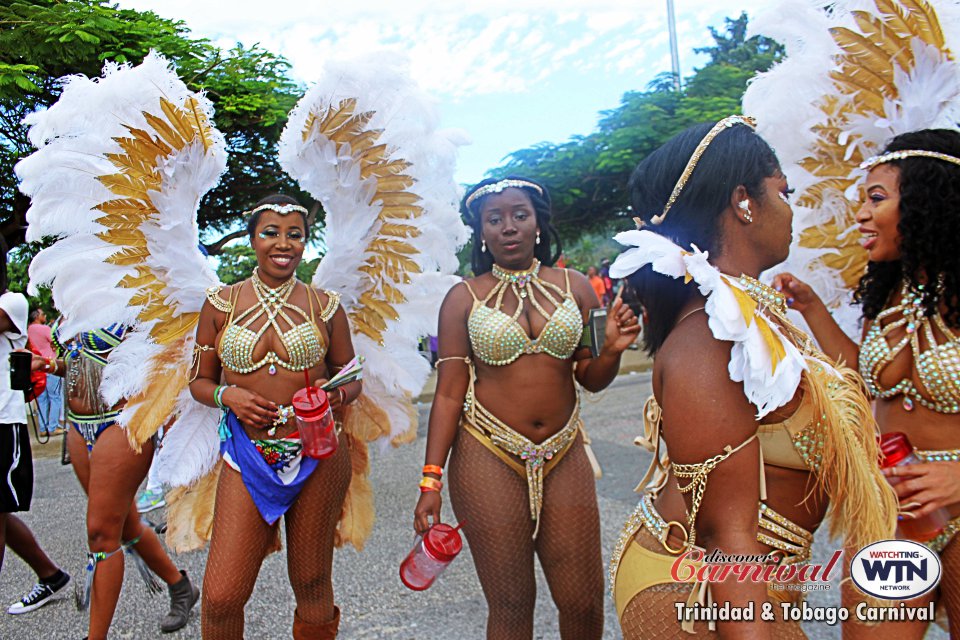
110,472
909,352
778,433
507,406
878,280
136,150
259,336
97,334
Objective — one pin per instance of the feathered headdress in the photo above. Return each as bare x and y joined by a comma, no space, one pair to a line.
857,73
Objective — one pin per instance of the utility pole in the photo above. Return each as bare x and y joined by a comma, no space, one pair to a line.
674,54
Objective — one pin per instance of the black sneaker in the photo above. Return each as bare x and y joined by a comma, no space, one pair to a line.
41,594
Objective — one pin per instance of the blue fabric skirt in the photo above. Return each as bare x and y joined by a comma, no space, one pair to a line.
272,490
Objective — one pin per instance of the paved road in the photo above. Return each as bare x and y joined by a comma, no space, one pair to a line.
375,605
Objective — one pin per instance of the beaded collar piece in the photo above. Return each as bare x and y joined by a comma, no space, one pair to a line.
519,278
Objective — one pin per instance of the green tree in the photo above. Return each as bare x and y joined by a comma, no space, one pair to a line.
587,175
43,40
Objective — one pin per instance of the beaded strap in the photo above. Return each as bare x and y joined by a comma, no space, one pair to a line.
213,295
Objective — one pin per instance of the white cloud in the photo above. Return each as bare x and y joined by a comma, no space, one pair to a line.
501,46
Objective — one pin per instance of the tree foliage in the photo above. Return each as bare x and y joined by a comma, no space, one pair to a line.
43,40
587,175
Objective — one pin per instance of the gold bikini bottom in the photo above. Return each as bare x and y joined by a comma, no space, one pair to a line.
644,558
504,442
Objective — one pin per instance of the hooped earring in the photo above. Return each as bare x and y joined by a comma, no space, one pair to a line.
483,246
745,207
538,236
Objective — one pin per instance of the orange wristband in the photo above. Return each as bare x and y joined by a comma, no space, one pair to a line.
433,468
430,484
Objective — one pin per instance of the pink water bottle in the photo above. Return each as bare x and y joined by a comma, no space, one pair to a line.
315,422
431,554
898,451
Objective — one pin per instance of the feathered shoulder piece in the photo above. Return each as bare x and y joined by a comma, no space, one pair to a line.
762,358
364,141
855,75
121,165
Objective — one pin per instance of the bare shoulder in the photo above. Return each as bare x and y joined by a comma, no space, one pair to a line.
703,408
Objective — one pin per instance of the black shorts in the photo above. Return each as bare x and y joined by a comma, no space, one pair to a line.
16,468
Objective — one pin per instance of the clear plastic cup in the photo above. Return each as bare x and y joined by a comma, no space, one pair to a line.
431,554
315,422
898,451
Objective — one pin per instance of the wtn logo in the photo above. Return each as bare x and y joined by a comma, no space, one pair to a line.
903,570
895,569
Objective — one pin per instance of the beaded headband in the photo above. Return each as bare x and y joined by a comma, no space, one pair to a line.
282,209
497,187
870,163
717,129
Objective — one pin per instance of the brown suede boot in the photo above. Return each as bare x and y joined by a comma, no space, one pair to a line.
323,631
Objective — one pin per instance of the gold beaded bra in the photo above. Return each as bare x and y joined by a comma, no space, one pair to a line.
936,362
498,339
302,341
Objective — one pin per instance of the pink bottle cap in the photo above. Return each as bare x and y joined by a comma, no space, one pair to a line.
310,402
443,542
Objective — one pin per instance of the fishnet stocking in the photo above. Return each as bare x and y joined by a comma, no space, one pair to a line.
493,500
652,613
311,523
949,602
239,542
241,539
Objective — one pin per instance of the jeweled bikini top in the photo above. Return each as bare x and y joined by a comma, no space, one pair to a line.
498,339
302,341
937,365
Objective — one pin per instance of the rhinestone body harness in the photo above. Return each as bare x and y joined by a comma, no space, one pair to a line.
498,339
936,362
302,339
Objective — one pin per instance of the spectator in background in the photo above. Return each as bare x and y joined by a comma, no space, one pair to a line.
50,402
607,281
16,466
597,283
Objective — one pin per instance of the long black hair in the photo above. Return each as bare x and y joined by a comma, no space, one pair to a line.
546,252
736,156
278,199
929,227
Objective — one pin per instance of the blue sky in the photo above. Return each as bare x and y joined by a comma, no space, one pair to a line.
510,73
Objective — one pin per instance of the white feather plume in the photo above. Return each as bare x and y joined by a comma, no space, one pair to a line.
405,121
144,270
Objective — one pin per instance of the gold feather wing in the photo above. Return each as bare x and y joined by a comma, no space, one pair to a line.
364,142
121,166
